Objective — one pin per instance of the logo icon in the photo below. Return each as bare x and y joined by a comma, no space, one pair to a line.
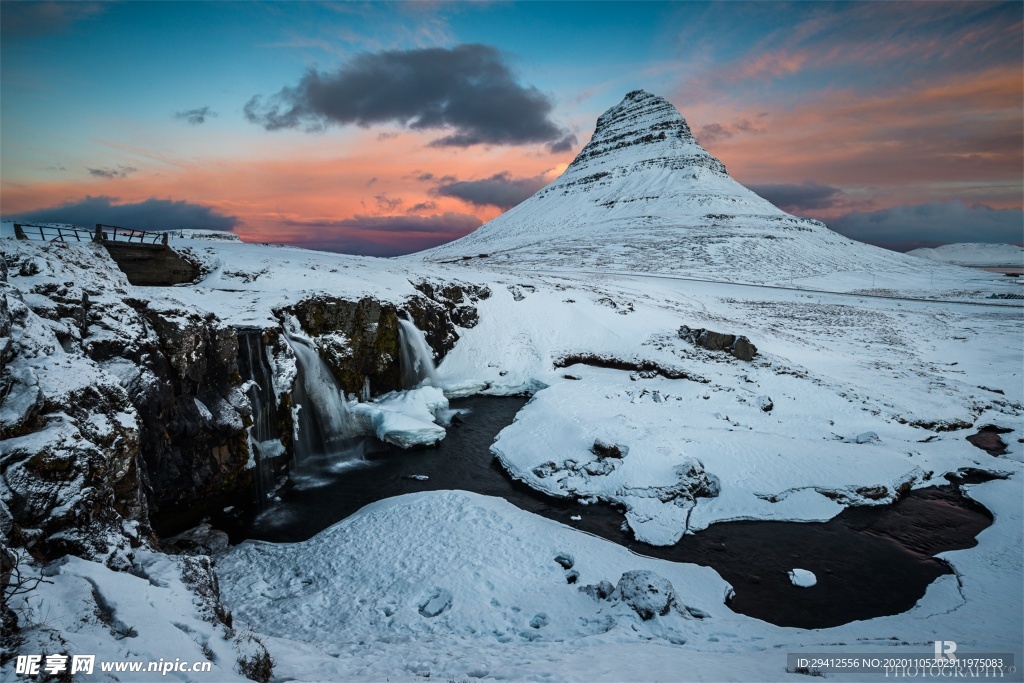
944,650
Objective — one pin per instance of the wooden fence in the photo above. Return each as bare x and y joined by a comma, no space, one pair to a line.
102,233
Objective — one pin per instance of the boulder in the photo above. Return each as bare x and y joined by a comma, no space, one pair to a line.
606,449
647,593
738,346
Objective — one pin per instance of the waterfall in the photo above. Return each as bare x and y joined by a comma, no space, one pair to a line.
254,366
416,357
325,426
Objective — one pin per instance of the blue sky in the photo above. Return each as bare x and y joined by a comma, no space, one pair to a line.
847,112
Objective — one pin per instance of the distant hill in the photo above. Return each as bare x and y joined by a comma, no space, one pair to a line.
974,254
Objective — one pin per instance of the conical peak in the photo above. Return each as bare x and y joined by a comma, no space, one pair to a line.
642,110
644,126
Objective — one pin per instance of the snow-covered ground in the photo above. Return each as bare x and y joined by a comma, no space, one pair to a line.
871,369
353,603
974,254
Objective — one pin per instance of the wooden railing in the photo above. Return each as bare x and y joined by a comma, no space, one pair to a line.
50,233
113,233
102,233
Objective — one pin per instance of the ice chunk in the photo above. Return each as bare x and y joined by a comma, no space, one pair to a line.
405,418
802,578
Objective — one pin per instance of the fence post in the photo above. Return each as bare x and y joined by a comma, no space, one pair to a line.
164,239
19,233
99,233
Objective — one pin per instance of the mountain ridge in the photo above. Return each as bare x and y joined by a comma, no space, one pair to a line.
644,196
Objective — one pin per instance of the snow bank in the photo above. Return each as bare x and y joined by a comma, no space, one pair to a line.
404,418
394,590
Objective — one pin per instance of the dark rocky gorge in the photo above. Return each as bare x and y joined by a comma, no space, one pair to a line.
175,445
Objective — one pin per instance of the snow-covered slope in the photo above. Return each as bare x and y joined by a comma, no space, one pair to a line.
644,196
974,254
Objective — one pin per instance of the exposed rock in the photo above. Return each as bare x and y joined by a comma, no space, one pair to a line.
743,349
73,486
458,298
199,540
197,571
600,591
605,449
873,492
647,593
695,481
195,465
565,560
359,340
600,468
545,470
987,439
765,403
738,346
165,378
643,368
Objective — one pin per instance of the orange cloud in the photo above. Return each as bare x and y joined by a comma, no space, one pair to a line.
920,141
314,181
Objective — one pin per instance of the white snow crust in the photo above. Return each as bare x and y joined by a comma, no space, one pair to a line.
851,341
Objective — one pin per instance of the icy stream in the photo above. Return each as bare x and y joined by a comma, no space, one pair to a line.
869,561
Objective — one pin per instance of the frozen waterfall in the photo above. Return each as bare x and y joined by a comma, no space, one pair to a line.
416,357
325,425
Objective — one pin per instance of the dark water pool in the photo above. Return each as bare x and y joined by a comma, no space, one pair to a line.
869,561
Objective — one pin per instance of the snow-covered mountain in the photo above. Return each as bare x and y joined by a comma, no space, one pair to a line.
643,195
974,254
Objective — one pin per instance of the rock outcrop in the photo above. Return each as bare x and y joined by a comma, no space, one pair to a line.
737,346
359,340
134,404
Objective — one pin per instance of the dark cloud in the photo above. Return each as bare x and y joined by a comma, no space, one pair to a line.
121,171
908,227
151,214
566,144
746,126
428,177
383,235
468,88
500,190
386,203
195,117
37,19
793,197
421,206
713,132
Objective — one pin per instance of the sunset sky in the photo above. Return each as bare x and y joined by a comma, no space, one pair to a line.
385,128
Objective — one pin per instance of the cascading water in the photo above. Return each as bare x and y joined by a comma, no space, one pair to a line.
325,426
254,366
416,357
